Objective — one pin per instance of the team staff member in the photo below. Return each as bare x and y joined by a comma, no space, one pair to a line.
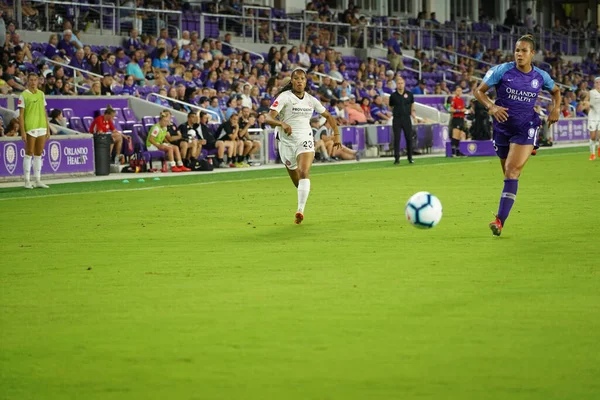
104,124
402,103
35,129
457,108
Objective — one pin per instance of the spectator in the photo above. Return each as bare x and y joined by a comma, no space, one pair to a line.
94,64
354,112
420,89
191,142
303,57
109,66
394,55
56,118
250,147
13,128
65,46
106,88
129,87
133,42
95,89
379,111
162,101
78,62
366,107
9,78
134,69
51,51
214,107
121,61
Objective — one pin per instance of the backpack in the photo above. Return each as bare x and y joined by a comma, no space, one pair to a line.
201,165
137,163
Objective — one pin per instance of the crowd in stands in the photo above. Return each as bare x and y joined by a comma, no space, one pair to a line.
179,72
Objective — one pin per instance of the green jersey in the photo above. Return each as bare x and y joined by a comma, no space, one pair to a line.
157,133
34,107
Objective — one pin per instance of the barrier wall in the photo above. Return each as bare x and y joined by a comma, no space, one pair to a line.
570,130
64,155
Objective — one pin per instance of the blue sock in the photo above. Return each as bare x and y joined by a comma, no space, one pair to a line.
507,199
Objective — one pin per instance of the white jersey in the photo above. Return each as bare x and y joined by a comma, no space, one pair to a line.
296,113
594,113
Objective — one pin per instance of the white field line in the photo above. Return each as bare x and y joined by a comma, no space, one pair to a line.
404,167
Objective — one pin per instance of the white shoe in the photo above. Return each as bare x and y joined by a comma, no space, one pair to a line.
41,185
28,185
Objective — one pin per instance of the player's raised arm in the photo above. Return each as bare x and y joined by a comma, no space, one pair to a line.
500,113
337,140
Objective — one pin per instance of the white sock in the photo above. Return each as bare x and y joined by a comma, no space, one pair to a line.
27,167
171,163
37,168
179,163
592,146
303,191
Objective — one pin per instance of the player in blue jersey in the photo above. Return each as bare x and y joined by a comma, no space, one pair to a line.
516,124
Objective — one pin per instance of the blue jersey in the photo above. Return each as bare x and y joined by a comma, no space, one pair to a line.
517,91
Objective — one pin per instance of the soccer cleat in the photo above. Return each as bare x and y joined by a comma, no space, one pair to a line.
496,227
533,152
41,185
299,218
183,168
592,157
175,168
28,185
397,162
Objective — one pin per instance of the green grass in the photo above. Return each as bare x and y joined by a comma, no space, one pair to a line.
202,288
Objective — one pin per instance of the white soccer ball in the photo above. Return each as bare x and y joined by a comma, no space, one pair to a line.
423,210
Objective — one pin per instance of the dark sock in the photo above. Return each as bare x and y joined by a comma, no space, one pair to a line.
247,158
220,160
507,199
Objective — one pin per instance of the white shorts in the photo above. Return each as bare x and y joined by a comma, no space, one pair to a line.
38,132
593,125
154,148
289,153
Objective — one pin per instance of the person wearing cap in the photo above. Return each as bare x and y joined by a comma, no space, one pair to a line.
592,104
420,88
402,103
394,56
290,113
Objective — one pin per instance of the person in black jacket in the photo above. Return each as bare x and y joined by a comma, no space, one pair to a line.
402,103
210,143
190,143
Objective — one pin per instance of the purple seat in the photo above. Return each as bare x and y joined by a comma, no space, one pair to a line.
76,124
68,113
87,123
148,121
129,115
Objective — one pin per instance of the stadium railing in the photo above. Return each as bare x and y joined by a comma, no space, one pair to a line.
183,103
419,71
113,19
243,50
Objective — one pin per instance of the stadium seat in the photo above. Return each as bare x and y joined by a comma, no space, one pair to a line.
87,123
68,113
76,124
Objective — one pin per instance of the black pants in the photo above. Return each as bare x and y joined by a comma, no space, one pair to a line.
399,125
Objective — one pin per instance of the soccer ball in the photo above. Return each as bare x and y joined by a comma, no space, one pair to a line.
423,210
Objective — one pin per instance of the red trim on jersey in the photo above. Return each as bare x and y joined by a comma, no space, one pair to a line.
101,125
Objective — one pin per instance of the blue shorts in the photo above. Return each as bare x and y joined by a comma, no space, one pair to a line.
502,140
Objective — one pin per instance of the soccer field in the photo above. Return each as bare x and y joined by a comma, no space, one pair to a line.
203,288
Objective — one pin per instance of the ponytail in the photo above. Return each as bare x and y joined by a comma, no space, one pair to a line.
288,85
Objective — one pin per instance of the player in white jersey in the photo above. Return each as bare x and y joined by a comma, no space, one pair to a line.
295,107
592,104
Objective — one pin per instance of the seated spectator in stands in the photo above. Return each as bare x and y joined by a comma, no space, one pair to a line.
160,101
103,125
158,139
95,89
65,46
11,80
109,66
106,87
129,87
78,62
13,128
379,111
365,105
19,60
338,111
56,118
224,82
231,102
51,50
121,61
164,35
161,62
94,64
133,42
354,112
320,147
134,69
420,88
265,104
68,89
5,88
